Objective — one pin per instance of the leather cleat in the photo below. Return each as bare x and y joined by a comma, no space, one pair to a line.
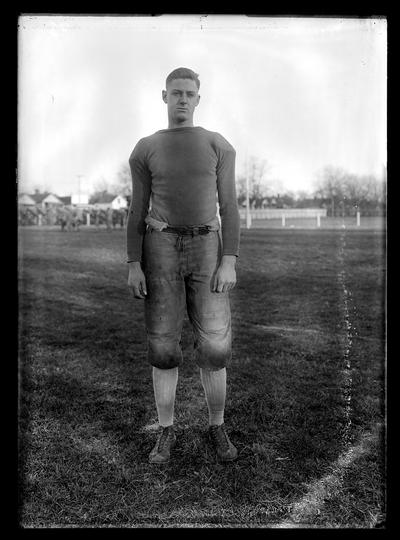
166,440
226,451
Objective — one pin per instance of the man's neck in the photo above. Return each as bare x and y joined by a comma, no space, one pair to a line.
186,123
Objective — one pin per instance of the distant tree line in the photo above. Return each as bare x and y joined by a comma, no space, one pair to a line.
340,192
345,193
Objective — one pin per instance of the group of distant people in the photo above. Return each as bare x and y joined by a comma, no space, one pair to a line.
72,220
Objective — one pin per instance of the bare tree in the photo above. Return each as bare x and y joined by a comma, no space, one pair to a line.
374,188
101,185
258,188
330,185
123,184
350,192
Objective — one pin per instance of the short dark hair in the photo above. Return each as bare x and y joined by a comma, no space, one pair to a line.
183,73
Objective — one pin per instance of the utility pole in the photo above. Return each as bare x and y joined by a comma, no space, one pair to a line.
79,176
248,213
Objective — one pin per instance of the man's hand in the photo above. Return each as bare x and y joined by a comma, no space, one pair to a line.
137,280
225,277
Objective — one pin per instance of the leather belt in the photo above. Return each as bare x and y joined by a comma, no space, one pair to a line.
187,231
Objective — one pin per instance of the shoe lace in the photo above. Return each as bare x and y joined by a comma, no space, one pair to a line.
220,436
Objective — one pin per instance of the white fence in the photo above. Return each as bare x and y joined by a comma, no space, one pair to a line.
278,213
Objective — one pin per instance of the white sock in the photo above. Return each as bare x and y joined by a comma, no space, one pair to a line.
164,384
214,384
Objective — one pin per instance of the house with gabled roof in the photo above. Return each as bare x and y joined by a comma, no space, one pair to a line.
119,202
26,200
45,200
51,200
38,197
108,200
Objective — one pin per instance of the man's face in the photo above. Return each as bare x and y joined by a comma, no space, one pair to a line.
182,97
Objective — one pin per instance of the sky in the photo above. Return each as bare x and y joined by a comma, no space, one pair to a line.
300,93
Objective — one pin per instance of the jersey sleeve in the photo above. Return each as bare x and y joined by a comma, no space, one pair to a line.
141,190
226,188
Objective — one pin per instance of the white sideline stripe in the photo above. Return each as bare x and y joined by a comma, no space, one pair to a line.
300,330
347,342
325,488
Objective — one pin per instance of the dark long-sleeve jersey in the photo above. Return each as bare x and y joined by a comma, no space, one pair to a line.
178,176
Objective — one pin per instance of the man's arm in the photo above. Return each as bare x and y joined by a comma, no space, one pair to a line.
225,278
136,227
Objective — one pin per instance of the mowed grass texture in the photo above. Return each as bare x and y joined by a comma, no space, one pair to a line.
306,385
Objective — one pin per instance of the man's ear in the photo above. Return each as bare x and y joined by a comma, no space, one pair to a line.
164,96
198,99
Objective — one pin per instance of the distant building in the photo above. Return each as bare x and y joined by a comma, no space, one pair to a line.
26,200
50,201
119,202
38,197
108,200
41,200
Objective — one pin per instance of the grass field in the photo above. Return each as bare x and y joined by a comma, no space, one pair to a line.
306,395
